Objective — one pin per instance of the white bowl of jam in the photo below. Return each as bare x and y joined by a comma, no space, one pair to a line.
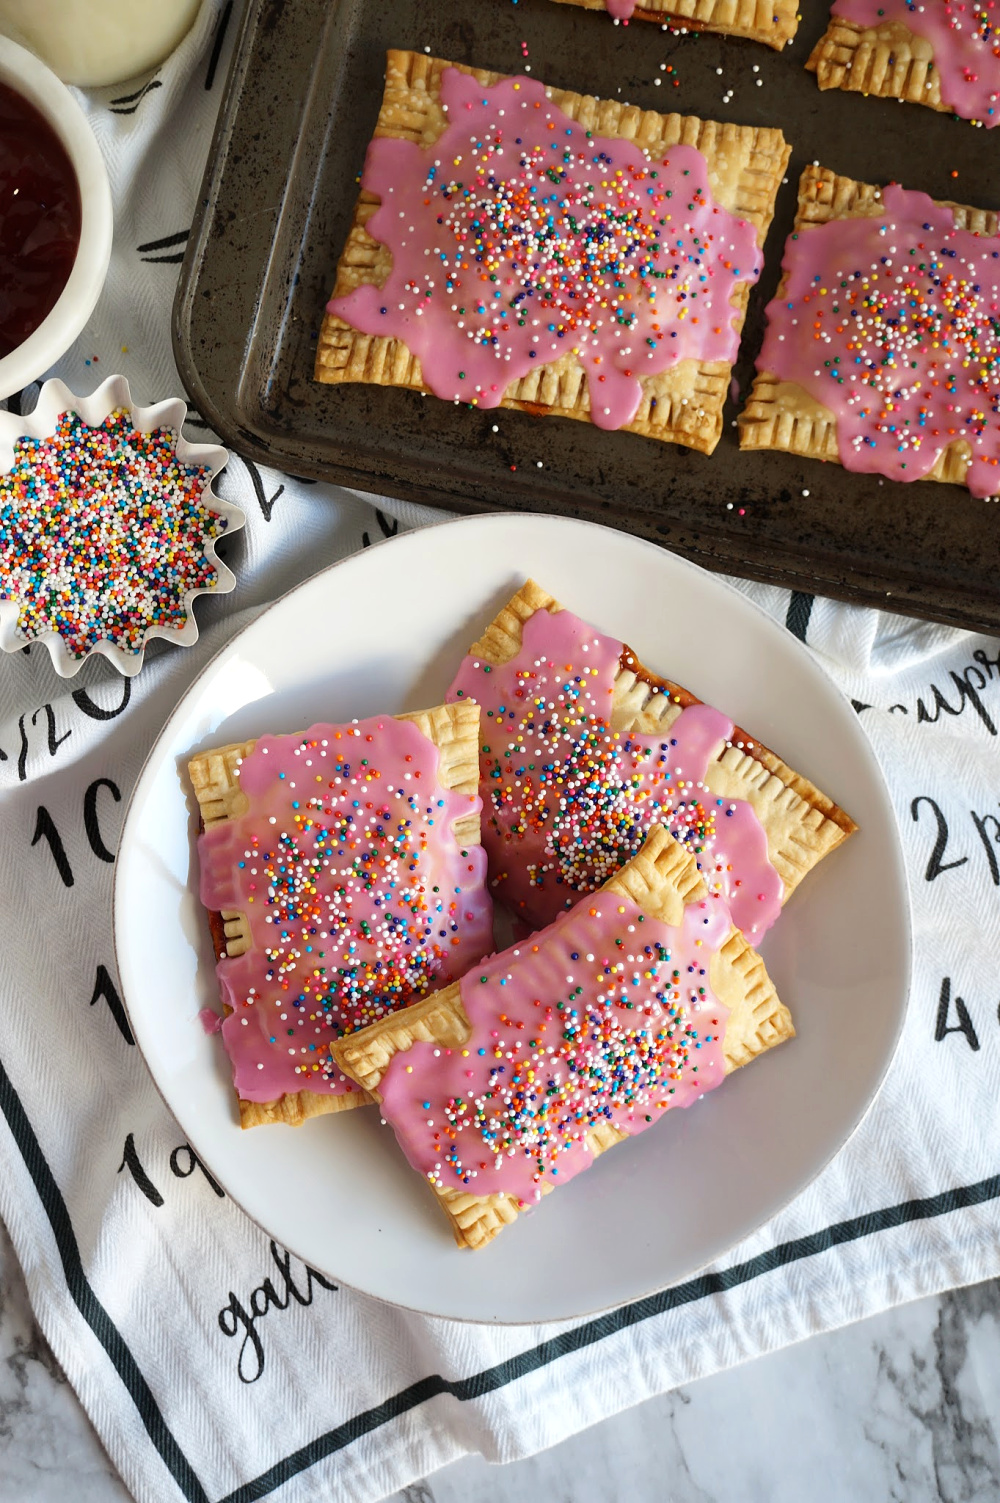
55,218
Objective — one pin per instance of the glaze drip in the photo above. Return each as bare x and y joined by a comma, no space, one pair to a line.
358,897
607,1017
893,323
518,238
567,800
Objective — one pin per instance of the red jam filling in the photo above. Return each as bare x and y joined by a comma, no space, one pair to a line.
39,219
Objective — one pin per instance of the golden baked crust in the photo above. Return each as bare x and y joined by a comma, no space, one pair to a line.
296,1107
772,21
682,405
782,414
801,823
661,880
214,776
888,60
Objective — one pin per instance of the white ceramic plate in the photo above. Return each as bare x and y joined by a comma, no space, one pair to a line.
384,631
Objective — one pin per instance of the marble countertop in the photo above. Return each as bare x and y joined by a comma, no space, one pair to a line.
901,1408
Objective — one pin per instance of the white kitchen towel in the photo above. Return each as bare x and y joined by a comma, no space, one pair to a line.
216,1367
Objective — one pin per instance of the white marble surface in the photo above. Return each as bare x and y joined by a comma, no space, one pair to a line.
902,1408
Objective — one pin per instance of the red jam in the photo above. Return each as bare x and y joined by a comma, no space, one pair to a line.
39,219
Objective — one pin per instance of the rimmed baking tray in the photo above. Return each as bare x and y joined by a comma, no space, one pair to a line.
299,108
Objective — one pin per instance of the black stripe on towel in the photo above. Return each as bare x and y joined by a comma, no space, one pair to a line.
86,1300
798,613
463,1389
610,1324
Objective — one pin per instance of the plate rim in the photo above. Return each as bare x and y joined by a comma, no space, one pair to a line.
146,775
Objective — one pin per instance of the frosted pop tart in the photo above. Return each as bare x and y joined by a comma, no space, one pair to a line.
880,347
942,53
539,249
344,878
583,748
641,998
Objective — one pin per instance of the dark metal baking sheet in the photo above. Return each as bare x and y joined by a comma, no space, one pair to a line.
300,105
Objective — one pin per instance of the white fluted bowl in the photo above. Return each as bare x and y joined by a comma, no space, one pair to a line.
54,399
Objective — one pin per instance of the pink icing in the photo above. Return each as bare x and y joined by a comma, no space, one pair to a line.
358,896
605,1016
965,36
892,323
567,800
621,9
518,237
210,1020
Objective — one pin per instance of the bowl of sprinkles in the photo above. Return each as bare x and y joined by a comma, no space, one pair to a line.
108,526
